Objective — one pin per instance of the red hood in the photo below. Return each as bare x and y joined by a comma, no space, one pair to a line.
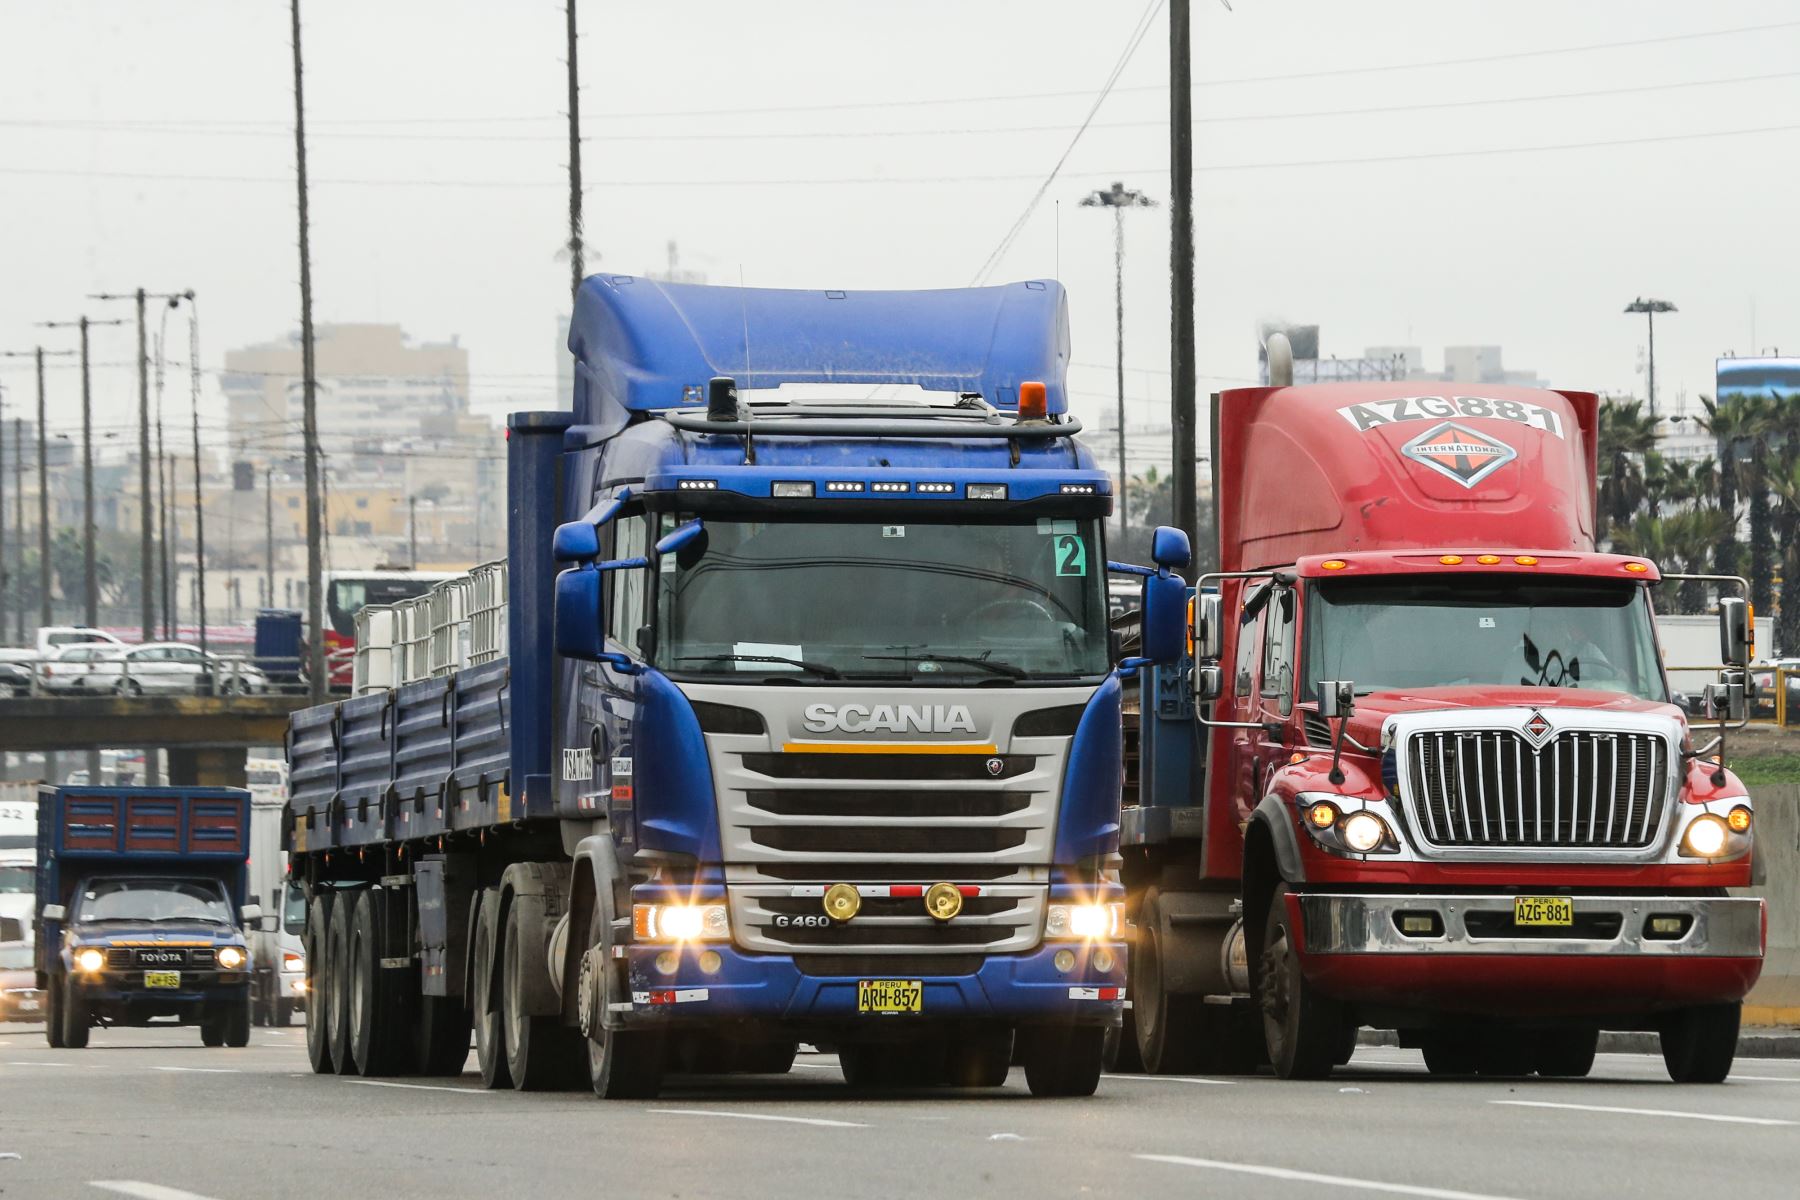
1377,707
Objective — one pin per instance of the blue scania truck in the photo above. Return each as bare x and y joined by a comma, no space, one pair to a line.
808,729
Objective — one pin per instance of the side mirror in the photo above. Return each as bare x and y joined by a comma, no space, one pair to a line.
1209,627
54,912
1169,547
1208,682
580,629
1737,640
250,914
1337,698
576,541
1727,700
1164,618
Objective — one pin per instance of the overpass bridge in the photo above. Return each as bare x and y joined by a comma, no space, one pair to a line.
207,737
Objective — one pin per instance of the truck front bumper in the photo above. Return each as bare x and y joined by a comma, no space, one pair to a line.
1016,988
1627,953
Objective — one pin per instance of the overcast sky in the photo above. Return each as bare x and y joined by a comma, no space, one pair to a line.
1377,167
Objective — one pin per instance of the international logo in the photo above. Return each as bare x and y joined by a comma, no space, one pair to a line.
1537,729
1458,452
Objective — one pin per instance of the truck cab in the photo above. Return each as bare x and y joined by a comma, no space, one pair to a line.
141,911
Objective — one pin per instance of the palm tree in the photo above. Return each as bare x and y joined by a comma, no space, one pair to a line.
1729,423
1626,436
1785,484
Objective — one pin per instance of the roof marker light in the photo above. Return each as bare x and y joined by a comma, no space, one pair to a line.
986,491
1334,564
1078,489
843,485
1525,560
791,489
889,486
937,489
1450,560
1487,560
1034,402
1636,568
698,485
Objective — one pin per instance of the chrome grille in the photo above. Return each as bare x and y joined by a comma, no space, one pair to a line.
1582,790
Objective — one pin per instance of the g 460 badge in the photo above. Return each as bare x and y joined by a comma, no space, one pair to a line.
1458,452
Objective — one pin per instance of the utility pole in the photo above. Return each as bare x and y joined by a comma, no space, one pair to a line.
1119,198
269,536
199,505
412,532
90,586
575,263
37,354
1650,308
171,624
1184,482
19,522
5,571
315,565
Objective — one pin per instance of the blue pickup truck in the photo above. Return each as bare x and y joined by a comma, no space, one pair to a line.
807,728
141,911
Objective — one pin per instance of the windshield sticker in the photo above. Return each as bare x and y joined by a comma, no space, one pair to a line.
754,656
893,531
1049,526
1071,556
1486,622
1458,452
1425,408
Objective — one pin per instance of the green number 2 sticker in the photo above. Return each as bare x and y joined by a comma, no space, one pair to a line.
1071,556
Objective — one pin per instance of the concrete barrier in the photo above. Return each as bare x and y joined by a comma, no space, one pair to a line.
1776,1000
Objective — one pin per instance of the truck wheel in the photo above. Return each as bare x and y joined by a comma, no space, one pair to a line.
1062,1060
1447,1052
1168,1026
623,1064
338,968
237,1023
318,982
53,1018
284,1013
1303,1028
979,1058
1122,1054
540,1054
212,1025
1565,1053
441,1045
1699,1043
362,992
75,1019
490,1036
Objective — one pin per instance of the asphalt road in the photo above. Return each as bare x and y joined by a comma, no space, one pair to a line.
151,1113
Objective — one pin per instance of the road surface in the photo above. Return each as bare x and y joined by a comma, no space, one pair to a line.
151,1113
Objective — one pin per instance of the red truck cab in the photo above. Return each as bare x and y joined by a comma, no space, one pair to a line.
1444,787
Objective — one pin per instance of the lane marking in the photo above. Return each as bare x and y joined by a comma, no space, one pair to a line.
1768,1078
202,1070
145,1191
744,1116
421,1087
1647,1112
29,1062
1343,1181
1173,1079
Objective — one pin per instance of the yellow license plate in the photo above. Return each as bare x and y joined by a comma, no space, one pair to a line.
1543,910
162,979
890,995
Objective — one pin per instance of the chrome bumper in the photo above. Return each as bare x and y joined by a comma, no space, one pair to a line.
1715,927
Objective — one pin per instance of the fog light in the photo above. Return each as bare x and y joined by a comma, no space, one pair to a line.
1705,837
943,901
1103,960
1739,819
710,962
1322,815
90,959
842,901
667,961
1363,832
1667,926
1065,961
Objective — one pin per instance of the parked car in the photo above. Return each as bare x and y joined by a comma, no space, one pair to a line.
15,679
89,670
1764,675
175,668
20,999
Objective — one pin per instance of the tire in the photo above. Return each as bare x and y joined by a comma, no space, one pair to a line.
284,1013
490,1034
765,1058
1565,1053
212,1026
362,990
53,1018
1347,1048
75,1019
979,1058
318,982
1447,1053
623,1064
1122,1054
130,688
337,966
1698,1044
1062,1060
540,1054
1302,1028
1168,1026
237,1023
441,1036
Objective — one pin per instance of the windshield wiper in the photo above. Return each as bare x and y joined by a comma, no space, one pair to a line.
816,668
998,668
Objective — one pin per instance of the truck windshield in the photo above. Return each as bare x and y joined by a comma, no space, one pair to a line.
153,900
1416,631
930,602
293,911
18,877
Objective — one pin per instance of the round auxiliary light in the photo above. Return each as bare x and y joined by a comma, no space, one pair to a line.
1323,815
1065,961
667,961
1104,961
1739,819
1487,560
842,901
1525,560
943,901
1363,832
1450,560
1636,568
1334,564
710,962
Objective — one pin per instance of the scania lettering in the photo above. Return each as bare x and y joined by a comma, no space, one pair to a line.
807,729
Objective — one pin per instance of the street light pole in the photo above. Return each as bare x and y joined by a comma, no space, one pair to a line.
1119,198
1650,308
90,586
38,353
315,555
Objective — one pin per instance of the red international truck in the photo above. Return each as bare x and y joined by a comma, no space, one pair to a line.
1425,773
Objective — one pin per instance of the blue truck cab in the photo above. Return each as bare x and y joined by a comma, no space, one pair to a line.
141,911
809,728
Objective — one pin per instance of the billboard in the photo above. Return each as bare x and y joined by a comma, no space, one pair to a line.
1757,377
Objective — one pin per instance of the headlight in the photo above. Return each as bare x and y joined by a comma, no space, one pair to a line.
1705,837
90,959
1085,921
1364,831
680,922
230,957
